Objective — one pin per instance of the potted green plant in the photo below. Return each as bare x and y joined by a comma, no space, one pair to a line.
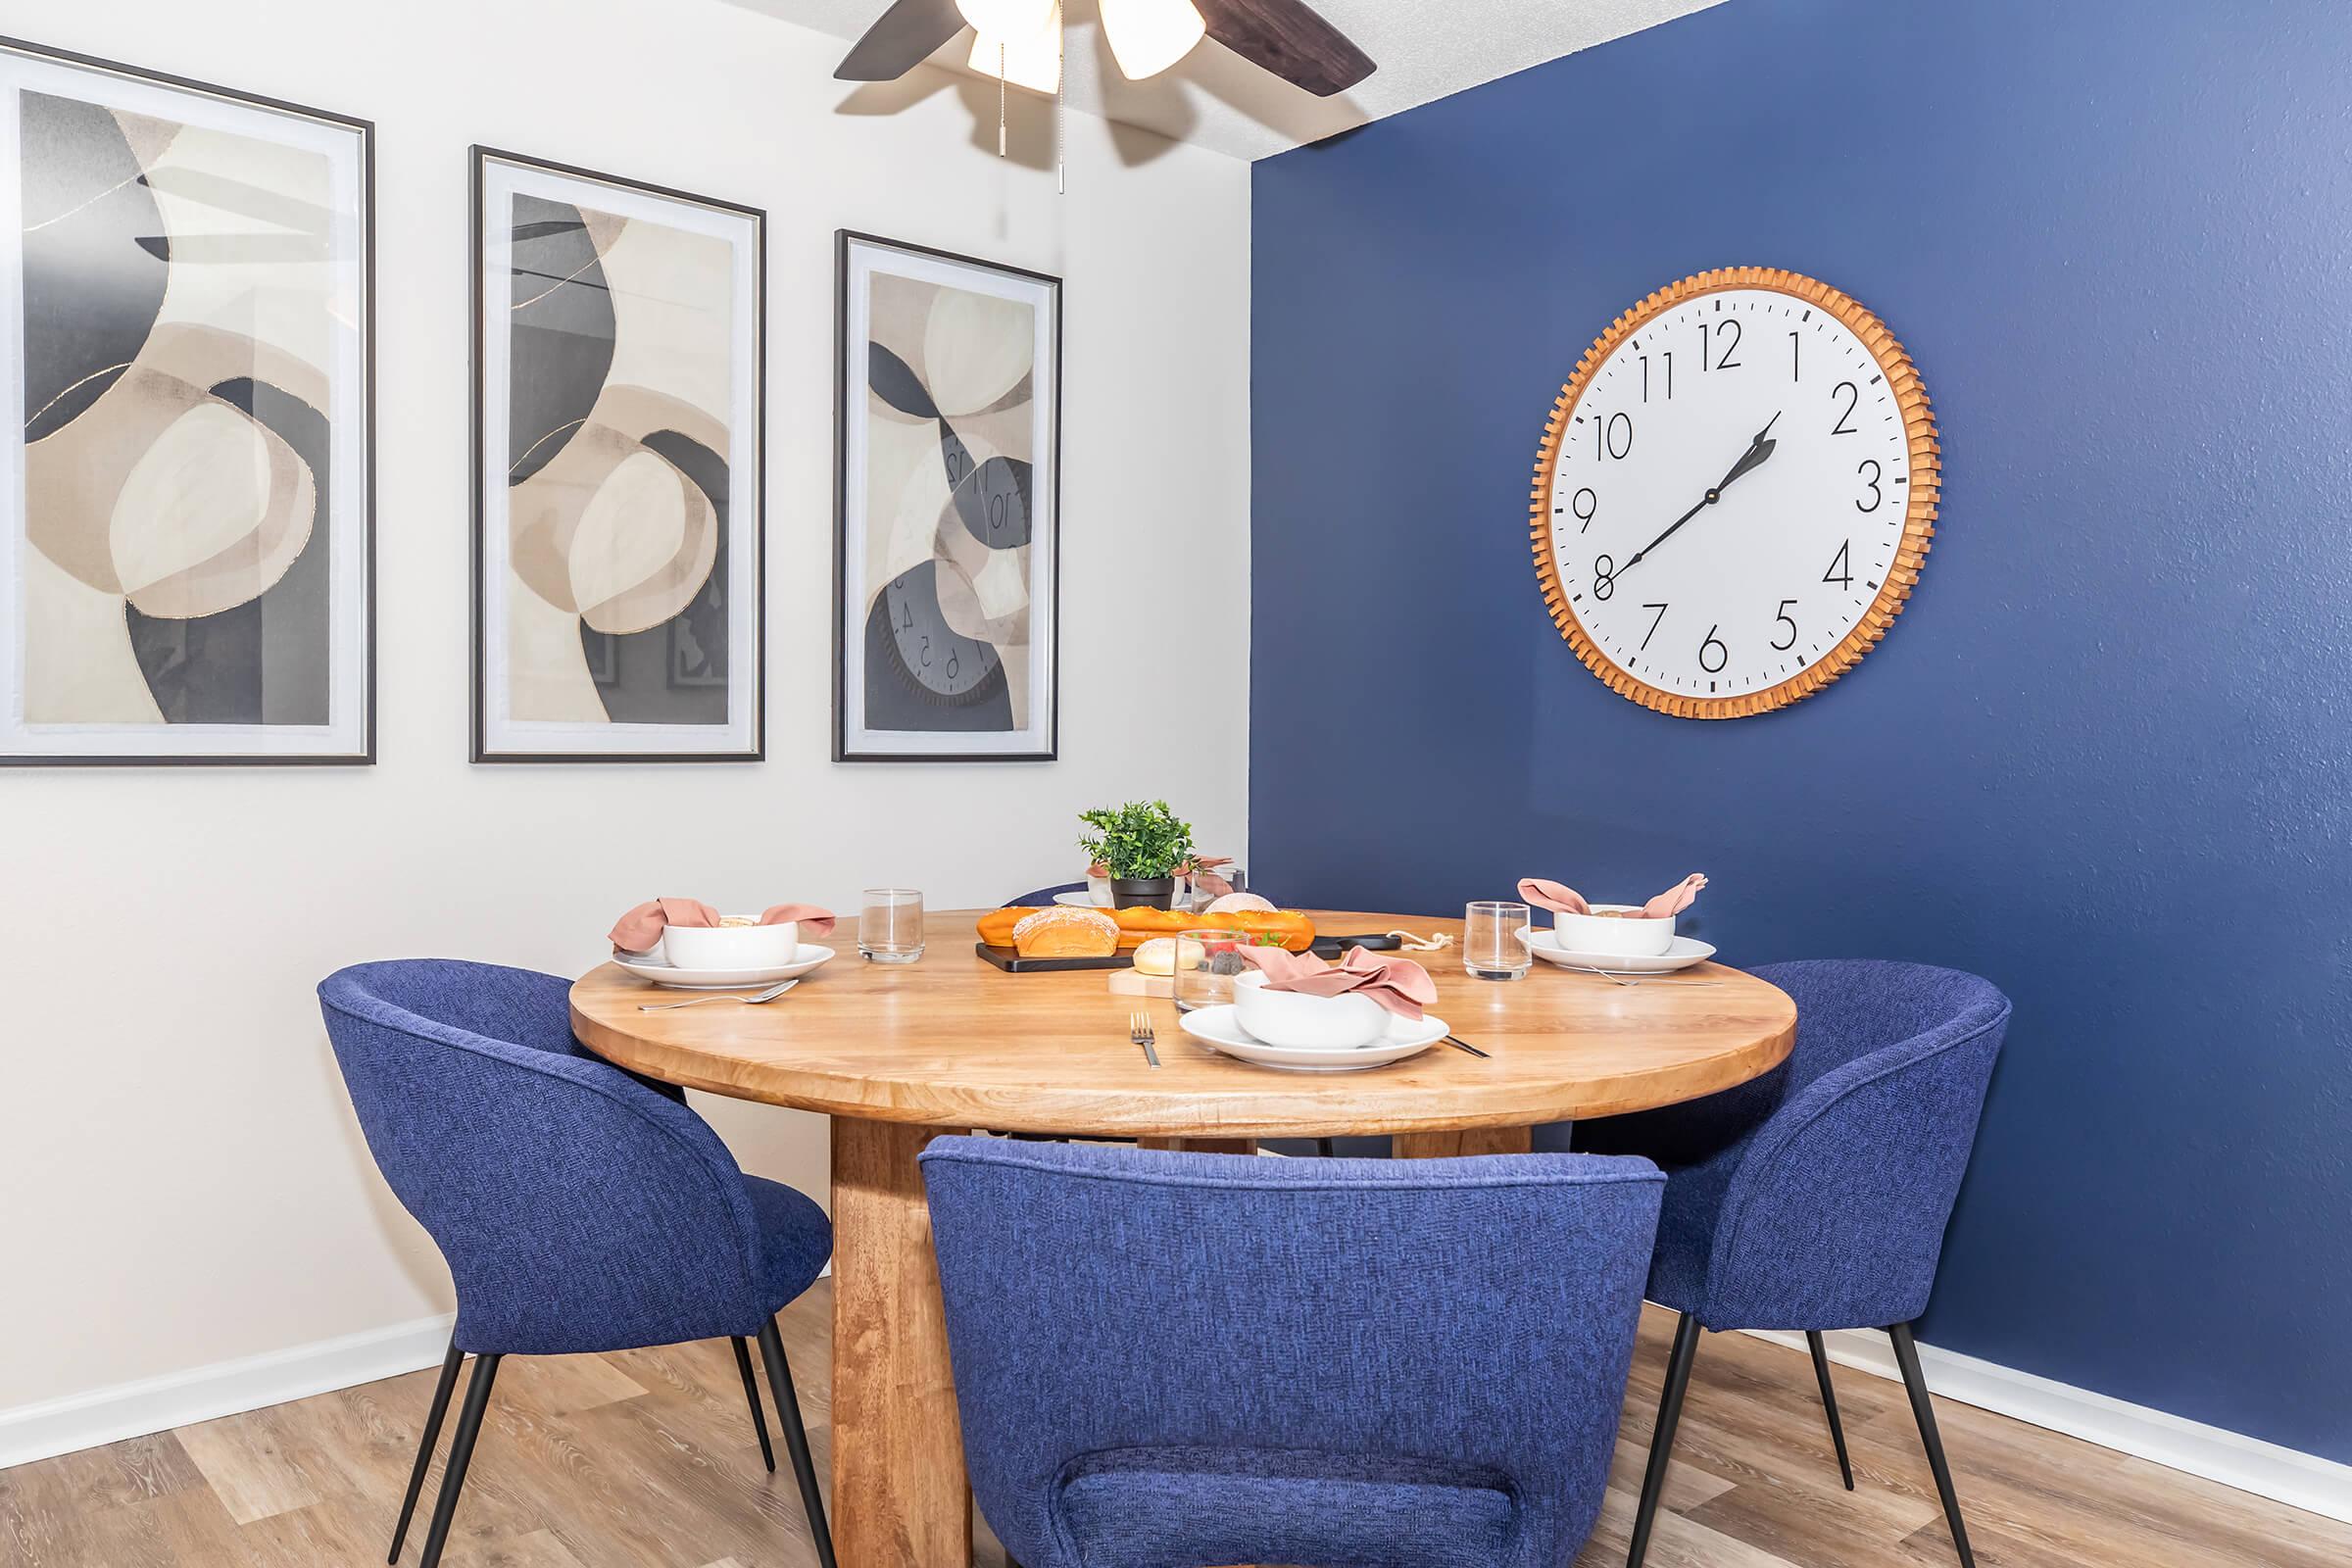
1141,845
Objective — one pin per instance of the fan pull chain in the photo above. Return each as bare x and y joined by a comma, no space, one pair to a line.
1062,68
1001,70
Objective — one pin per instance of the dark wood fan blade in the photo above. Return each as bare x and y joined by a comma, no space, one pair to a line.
1290,40
903,38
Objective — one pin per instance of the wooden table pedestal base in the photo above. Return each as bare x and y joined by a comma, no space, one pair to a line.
900,1496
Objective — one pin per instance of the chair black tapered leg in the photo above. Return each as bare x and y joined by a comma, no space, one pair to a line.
424,1445
1829,1403
1323,1147
751,1392
1661,1442
1906,1355
460,1455
796,1440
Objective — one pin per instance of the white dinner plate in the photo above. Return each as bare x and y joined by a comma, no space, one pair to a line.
1681,953
807,959
1082,901
1219,1029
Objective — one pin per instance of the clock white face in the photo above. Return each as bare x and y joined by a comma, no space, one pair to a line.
1729,494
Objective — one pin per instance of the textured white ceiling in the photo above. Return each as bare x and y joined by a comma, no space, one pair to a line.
1426,49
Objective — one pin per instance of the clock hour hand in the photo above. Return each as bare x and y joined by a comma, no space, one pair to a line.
1761,448
1758,450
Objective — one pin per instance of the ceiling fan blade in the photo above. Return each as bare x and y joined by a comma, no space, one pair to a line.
903,38
1287,38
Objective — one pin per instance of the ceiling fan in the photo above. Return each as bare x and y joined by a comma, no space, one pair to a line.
1020,41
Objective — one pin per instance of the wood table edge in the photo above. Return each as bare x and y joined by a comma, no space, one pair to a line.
1109,1112
1130,1109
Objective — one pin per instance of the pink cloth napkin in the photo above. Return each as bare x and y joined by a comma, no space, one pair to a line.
1561,898
1676,899
1400,985
1557,897
638,930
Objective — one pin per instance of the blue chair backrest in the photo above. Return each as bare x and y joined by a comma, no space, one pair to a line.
1846,1163
1476,1312
578,1209
1042,896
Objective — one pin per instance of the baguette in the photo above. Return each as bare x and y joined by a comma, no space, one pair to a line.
1293,931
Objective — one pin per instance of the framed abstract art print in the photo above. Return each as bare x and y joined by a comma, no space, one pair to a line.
620,337
186,482
945,558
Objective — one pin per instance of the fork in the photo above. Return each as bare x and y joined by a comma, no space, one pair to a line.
1139,1030
769,995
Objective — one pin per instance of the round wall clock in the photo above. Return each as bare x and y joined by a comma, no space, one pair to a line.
1735,492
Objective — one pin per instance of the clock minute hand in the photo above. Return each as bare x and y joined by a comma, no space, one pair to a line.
1662,538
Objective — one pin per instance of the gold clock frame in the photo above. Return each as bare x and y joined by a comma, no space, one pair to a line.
1919,522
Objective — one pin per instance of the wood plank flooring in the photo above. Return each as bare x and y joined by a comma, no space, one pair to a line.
646,1459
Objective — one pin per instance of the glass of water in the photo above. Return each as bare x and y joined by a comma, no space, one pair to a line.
1495,941
1199,897
890,925
1207,962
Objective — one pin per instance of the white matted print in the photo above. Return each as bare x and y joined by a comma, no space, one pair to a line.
949,414
186,488
619,516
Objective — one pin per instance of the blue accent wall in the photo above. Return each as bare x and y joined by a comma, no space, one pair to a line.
2102,758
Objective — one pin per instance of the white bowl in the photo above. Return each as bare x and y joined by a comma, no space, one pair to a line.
1300,1022
730,947
1588,933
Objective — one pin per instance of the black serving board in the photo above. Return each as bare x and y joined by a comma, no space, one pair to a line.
1009,960
1337,947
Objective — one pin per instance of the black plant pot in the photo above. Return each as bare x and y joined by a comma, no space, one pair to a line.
1142,892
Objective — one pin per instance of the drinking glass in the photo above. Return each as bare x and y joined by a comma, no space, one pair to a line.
1207,962
890,925
1192,896
1495,941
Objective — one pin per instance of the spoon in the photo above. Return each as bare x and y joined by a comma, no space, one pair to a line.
769,995
1624,979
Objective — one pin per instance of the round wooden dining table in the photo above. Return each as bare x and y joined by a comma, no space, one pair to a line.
898,1054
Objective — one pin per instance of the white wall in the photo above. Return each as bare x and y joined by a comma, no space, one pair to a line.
180,1178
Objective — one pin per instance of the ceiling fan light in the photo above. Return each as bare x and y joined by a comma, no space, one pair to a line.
1148,37
1032,60
1006,19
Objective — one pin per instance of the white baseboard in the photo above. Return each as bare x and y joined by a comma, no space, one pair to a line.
104,1416
2284,1475
225,1387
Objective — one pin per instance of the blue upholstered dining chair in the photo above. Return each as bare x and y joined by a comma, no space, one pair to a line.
580,1208
1816,1196
1170,1359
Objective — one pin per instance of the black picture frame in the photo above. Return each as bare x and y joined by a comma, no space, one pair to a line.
842,239
479,157
364,129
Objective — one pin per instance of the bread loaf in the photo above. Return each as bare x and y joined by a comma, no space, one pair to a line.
1066,932
1287,928
1235,902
